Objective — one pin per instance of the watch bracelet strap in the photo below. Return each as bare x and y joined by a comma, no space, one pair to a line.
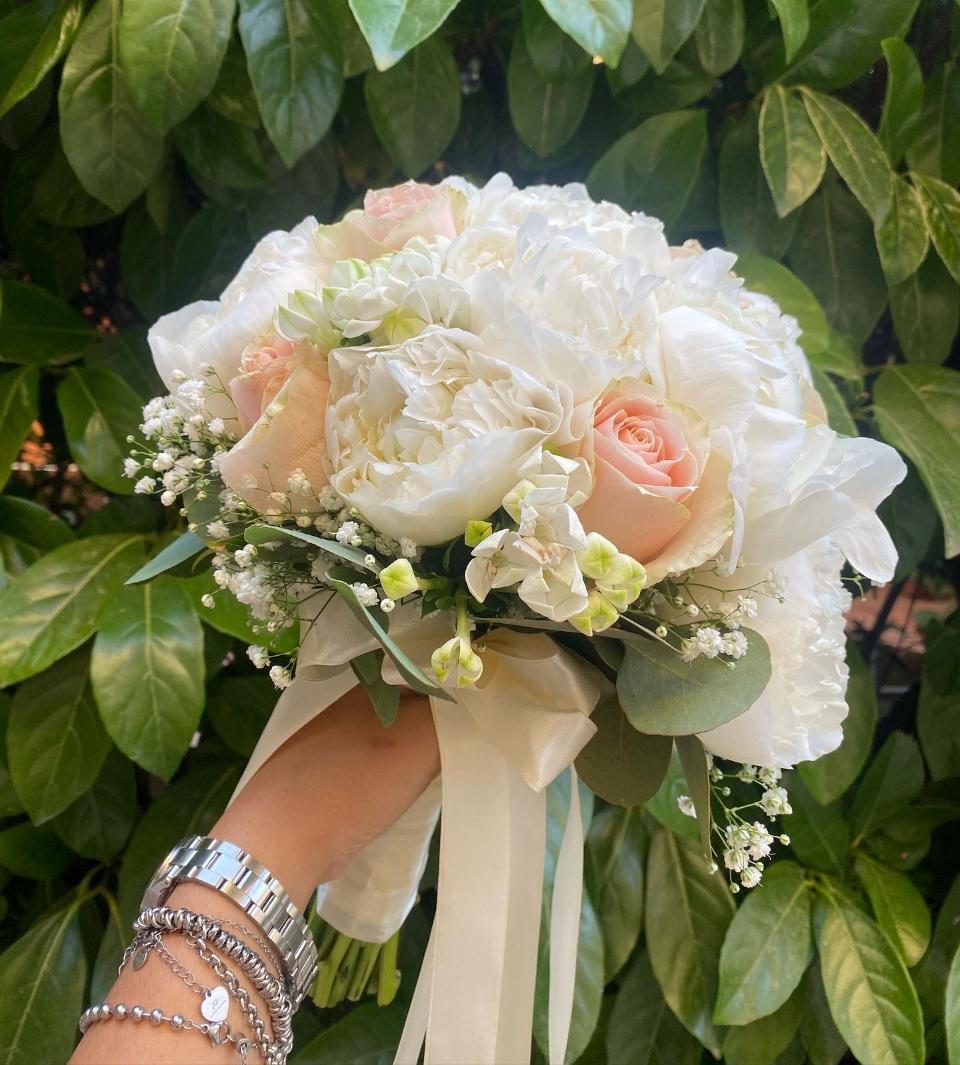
233,872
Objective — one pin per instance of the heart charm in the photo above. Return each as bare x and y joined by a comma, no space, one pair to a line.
215,1004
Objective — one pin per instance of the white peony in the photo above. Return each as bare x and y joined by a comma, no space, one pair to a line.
432,432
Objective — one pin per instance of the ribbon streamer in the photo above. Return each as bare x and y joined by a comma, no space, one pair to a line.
501,743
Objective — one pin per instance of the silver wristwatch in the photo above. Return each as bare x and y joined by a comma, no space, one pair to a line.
233,872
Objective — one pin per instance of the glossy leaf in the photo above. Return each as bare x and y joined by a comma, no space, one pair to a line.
600,27
232,92
819,835
898,908
664,805
655,166
100,410
918,410
793,156
112,150
854,150
829,776
794,19
660,28
662,694
642,1028
687,914
545,114
719,35
871,997
415,106
823,1043
35,853
773,279
761,1042
37,328
27,531
33,37
767,948
902,235
938,714
832,251
171,51
614,875
394,28
239,707
894,777
42,978
748,214
620,764
147,673
186,546
221,151
555,55
55,605
293,55
903,101
941,208
926,311
18,408
98,823
126,353
935,147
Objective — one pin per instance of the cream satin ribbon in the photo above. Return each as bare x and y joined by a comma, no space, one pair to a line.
501,743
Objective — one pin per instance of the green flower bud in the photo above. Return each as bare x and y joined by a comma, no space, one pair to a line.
597,558
599,614
476,532
398,579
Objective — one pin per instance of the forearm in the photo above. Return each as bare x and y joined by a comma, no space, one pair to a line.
332,788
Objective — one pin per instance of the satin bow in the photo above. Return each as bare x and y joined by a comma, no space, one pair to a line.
501,743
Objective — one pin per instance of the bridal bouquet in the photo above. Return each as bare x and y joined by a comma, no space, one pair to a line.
510,448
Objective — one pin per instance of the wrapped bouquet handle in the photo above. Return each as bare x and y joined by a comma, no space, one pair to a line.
501,743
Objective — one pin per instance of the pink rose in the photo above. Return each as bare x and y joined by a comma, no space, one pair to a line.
264,367
660,492
390,217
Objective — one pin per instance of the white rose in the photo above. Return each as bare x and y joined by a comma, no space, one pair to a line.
432,432
217,331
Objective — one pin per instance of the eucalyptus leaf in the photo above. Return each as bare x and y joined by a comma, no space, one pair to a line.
664,806
926,311
903,101
688,911
112,150
186,546
898,906
394,28
917,411
793,156
620,764
264,534
662,694
147,673
384,698
37,328
18,408
415,106
56,604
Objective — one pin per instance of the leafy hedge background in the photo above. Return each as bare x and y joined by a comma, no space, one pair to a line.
144,146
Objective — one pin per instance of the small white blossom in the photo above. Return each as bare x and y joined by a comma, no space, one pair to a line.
144,486
244,556
736,858
748,606
218,529
408,548
298,483
685,805
163,461
221,577
386,605
751,876
216,427
768,777
347,531
281,677
747,773
130,467
258,655
329,500
366,595
208,601
760,841
774,802
735,644
178,377
709,641
775,584
168,498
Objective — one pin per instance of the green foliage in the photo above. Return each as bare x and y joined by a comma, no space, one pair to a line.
144,147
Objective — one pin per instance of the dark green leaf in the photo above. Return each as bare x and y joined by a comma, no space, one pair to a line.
763,1040
309,188
18,408
719,35
228,615
930,975
819,835
112,150
55,605
918,411
147,673
367,1035
614,876
854,150
898,907
42,978
293,55
663,806
794,19
926,310
127,354
655,166
871,997
545,114
415,106
938,714
392,30
688,910
894,778
384,698
903,100
775,280
239,707
662,694
171,51
767,948
829,776
220,151
186,546
555,55
98,823
935,148
109,953
620,764
660,28
55,742
232,93
146,261
941,208
833,252
911,521
32,38
902,236
696,770
37,328
748,214
34,853
794,159
27,531
58,196
100,410
643,1030
822,1042
601,27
